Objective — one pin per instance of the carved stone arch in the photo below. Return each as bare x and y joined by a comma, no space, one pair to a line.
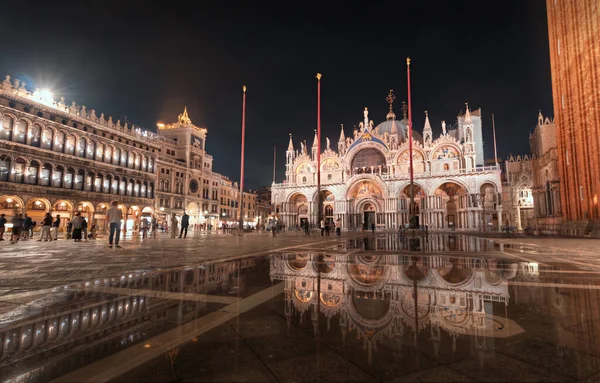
446,143
441,182
356,180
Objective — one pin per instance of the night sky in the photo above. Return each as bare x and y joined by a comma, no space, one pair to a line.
147,61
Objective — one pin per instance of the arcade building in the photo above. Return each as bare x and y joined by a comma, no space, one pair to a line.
367,179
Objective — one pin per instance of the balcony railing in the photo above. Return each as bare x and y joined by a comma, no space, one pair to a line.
382,173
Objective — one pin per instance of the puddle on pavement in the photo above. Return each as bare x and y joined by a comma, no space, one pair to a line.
374,314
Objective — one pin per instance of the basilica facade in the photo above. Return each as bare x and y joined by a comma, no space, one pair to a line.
367,180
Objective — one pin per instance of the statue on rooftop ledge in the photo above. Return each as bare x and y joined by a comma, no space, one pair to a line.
183,118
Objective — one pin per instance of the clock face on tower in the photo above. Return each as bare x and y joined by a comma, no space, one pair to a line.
193,186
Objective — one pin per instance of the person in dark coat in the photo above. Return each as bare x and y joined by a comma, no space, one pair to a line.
373,227
185,223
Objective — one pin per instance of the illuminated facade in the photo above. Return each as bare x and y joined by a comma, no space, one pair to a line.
517,193
546,181
573,29
185,180
366,180
64,159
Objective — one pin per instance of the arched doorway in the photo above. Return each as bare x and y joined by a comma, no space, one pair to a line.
328,200
448,207
489,201
64,209
415,210
36,209
133,219
366,197
86,209
10,206
100,214
298,210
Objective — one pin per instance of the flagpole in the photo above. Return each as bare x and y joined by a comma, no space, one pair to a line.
241,203
319,210
274,157
495,149
411,208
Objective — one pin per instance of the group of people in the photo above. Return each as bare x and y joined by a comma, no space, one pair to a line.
23,227
185,223
325,226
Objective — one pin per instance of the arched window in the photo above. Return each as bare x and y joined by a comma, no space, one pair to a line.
4,168
150,165
19,171
35,135
108,154
34,170
145,163
47,138
151,190
144,189
57,176
91,150
304,180
98,183
70,147
82,146
100,151
131,163
123,187
90,181
116,156
20,134
130,187
6,128
328,211
59,142
136,189
79,180
115,186
45,175
124,156
68,180
107,184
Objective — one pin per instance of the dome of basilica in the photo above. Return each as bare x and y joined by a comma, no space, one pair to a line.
401,126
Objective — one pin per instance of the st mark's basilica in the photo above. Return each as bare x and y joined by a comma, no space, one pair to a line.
367,180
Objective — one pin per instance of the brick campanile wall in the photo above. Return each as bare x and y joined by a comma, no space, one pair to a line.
574,34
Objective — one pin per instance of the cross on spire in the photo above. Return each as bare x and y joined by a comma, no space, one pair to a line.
391,98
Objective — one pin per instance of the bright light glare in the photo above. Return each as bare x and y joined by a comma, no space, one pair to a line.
46,95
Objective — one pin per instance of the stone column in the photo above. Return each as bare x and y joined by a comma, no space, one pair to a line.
518,223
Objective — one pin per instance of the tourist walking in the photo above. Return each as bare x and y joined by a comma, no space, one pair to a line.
69,229
306,229
173,227
2,226
373,227
17,222
185,222
114,216
327,229
322,228
338,229
54,228
45,232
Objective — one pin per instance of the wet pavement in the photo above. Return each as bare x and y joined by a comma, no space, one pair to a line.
381,307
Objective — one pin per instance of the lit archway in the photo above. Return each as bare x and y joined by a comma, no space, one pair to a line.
407,210
36,208
449,203
10,206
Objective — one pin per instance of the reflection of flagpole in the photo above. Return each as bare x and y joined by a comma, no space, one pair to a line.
241,203
411,208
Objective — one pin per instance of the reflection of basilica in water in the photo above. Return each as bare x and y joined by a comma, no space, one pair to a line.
384,297
65,329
